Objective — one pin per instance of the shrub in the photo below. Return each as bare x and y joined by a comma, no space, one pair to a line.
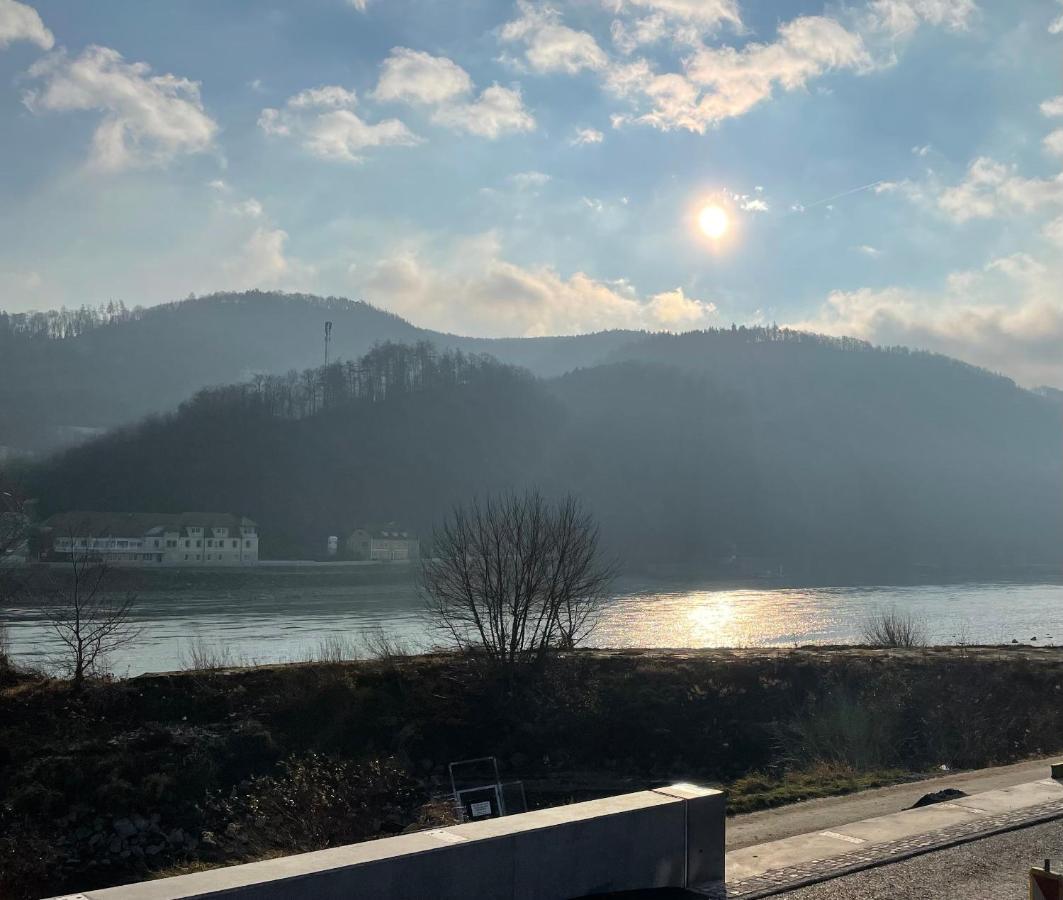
313,802
893,628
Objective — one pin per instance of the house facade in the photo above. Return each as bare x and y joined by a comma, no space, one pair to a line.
152,539
384,543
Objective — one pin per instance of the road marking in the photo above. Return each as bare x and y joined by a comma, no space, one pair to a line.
842,837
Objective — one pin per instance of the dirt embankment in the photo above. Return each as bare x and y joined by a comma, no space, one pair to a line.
133,778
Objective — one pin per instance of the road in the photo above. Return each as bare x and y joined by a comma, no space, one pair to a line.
830,812
994,868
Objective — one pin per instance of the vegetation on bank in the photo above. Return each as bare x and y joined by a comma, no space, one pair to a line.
740,452
132,778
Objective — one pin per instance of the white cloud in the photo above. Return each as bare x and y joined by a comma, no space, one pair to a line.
487,295
900,18
585,136
1053,142
19,22
751,204
921,150
1053,231
991,188
360,5
262,262
497,111
723,82
324,120
1052,107
412,76
868,250
529,180
551,46
1008,318
683,21
148,119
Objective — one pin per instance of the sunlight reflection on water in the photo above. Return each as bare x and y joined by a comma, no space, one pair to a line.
290,621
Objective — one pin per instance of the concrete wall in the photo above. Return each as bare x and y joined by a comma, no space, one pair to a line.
672,837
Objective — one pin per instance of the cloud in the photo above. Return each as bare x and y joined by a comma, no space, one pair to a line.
497,111
868,250
684,21
324,121
360,5
992,188
901,18
420,79
412,76
723,82
551,46
262,262
487,295
529,180
586,136
148,120
1007,318
19,22
1052,107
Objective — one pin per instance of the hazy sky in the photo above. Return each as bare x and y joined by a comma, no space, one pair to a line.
891,169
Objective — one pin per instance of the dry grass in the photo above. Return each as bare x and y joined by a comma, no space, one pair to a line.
894,628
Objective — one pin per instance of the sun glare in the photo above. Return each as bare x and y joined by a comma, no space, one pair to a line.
713,222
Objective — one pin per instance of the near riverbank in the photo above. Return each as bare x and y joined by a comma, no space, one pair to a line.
144,776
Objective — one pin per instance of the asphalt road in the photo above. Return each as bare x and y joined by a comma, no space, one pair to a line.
994,868
830,812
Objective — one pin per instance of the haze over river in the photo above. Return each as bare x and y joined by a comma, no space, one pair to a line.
272,615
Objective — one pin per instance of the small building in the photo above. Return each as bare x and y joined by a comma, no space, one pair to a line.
151,539
388,542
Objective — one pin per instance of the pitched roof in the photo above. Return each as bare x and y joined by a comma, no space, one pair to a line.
117,524
392,530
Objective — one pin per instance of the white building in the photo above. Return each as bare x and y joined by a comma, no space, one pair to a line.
153,539
391,542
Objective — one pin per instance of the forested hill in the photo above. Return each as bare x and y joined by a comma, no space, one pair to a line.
734,451
69,372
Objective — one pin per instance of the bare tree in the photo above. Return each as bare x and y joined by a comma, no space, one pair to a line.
516,577
89,621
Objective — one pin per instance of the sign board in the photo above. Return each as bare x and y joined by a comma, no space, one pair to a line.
1045,885
480,809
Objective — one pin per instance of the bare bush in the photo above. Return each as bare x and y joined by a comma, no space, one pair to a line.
516,577
336,648
385,647
199,656
893,628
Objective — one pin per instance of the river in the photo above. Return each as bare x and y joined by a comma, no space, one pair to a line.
282,616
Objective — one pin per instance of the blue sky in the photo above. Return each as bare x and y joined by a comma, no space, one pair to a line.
890,169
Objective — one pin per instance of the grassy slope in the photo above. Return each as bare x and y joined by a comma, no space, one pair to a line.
206,755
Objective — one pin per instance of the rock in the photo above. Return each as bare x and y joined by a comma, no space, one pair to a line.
115,846
177,836
153,849
124,828
942,796
140,823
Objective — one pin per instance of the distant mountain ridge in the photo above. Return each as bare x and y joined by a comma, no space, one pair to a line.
742,451
54,390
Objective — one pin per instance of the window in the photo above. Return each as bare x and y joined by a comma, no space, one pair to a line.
247,543
188,544
236,543
210,543
156,542
199,544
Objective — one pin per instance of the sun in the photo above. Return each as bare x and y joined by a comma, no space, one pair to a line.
713,221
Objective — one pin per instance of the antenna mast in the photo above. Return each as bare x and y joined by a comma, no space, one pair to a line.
328,337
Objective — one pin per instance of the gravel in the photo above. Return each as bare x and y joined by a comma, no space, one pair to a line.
994,868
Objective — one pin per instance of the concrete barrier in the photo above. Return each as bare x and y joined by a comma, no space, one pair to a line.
671,837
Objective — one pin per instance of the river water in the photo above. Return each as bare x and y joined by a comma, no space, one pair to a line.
277,616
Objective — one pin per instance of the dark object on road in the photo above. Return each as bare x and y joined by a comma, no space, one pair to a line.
938,797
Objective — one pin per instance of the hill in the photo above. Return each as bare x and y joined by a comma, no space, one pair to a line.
741,451
68,374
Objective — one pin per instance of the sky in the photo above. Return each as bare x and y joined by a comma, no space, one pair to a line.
890,170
